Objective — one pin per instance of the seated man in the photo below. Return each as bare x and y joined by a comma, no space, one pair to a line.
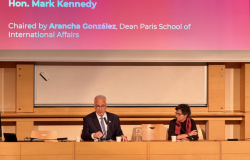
95,126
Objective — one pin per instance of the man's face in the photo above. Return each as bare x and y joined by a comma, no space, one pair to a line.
100,106
180,117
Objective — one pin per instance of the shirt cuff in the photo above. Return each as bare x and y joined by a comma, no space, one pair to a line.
92,136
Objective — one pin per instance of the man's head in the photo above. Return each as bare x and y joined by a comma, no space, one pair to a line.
100,105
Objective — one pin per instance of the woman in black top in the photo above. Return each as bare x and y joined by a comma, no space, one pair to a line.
183,121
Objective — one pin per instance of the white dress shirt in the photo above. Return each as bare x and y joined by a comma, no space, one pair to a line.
99,119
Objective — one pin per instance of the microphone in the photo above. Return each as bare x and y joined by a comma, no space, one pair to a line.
192,139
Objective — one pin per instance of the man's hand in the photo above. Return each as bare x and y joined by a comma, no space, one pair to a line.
97,134
124,139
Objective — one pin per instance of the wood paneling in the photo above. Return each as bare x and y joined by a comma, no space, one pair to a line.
10,157
25,88
235,147
247,87
244,126
215,129
108,148
185,157
111,157
216,87
199,147
48,157
48,148
9,89
23,129
9,149
235,156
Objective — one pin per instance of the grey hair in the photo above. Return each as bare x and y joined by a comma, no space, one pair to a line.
100,96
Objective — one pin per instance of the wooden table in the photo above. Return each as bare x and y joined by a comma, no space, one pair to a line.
147,150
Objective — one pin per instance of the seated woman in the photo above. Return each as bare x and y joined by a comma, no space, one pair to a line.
183,122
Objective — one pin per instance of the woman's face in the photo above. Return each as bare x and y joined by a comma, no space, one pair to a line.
180,117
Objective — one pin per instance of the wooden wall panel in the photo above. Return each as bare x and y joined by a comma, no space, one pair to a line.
245,126
48,157
215,130
247,87
216,87
9,89
25,88
23,129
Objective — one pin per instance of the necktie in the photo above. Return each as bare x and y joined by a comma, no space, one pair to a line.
103,128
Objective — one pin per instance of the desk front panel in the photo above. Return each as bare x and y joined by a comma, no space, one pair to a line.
47,148
232,150
184,148
111,148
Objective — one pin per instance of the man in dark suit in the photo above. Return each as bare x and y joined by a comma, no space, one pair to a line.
95,127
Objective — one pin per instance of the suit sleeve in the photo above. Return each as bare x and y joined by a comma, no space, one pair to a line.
86,135
118,130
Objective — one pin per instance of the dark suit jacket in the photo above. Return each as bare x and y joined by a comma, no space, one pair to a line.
91,125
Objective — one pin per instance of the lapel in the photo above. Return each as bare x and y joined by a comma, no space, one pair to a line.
109,125
96,122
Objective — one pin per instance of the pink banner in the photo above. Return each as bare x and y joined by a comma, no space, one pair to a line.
125,24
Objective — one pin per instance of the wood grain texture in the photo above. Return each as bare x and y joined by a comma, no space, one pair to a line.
215,129
216,87
10,149
235,156
47,148
10,157
247,87
48,157
108,148
25,88
111,157
235,147
242,87
23,129
185,157
199,147
244,126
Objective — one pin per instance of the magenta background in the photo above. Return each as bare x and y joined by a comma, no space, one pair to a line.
216,25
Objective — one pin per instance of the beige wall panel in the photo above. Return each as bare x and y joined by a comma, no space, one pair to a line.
47,148
10,157
23,129
9,148
235,147
25,88
111,157
199,147
216,87
48,157
111,148
236,131
235,156
9,89
215,130
185,157
247,87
